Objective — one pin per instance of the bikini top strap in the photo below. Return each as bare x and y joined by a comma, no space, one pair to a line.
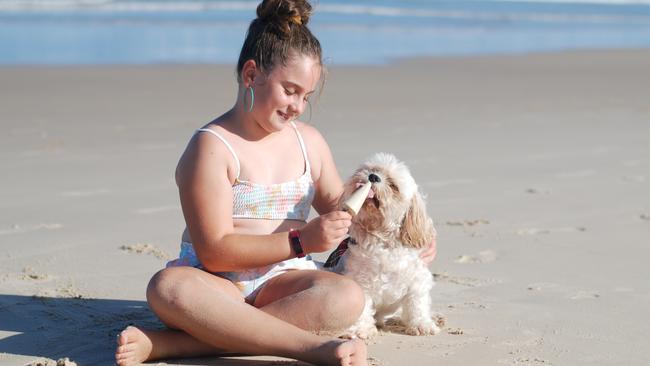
302,146
227,145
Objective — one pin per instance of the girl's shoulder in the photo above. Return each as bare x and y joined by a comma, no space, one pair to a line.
313,138
208,147
318,150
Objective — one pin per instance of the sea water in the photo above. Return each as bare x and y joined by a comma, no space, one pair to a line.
60,32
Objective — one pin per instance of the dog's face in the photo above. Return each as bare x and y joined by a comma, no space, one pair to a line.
394,204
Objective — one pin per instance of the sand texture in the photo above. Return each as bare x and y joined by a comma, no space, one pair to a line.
536,169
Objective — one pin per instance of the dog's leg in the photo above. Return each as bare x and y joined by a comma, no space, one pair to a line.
365,327
416,314
382,315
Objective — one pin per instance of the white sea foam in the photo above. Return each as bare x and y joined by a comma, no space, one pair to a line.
606,2
349,8
123,6
500,16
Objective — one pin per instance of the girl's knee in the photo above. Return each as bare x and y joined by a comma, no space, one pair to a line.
166,287
177,287
344,299
352,295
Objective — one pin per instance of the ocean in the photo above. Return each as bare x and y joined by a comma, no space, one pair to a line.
90,32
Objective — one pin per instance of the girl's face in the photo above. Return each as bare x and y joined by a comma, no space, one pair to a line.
282,95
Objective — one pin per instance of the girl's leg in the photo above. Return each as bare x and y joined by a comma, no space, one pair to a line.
214,317
318,301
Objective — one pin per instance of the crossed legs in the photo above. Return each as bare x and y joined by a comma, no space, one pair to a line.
207,315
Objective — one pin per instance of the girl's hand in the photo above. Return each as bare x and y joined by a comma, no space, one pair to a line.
325,232
429,253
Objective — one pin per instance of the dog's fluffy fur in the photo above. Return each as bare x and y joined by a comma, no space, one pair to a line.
390,231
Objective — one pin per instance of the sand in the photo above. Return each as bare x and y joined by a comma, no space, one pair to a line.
536,168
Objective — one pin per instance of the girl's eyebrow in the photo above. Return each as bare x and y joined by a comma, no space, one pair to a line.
297,86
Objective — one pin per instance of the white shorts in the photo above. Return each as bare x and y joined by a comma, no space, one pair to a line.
249,281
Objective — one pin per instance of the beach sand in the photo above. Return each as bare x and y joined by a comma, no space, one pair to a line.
536,168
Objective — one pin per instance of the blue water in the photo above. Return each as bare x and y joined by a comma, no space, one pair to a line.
352,32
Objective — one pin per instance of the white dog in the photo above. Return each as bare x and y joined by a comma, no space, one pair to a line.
386,238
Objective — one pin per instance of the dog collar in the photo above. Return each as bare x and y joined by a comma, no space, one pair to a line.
336,255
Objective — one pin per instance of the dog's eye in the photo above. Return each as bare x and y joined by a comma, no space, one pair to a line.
392,185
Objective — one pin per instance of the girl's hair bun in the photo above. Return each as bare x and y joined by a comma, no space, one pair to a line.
284,14
279,33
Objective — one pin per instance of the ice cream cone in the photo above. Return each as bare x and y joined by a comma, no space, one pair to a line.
353,204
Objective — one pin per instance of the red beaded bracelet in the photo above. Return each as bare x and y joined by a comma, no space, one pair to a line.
296,245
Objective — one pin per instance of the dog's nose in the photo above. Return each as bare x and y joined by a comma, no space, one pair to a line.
374,178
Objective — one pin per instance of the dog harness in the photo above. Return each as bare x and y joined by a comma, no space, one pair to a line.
336,255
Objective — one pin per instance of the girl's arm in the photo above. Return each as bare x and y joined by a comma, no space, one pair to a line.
327,181
329,185
204,177
204,181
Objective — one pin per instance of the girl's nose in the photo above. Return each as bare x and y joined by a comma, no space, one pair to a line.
296,108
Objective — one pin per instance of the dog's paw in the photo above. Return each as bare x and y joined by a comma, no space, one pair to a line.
367,333
428,328
361,333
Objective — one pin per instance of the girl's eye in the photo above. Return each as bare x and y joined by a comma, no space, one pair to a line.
288,92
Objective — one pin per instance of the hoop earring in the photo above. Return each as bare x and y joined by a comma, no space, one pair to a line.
309,104
252,93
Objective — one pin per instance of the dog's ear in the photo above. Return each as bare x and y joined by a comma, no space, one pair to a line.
417,228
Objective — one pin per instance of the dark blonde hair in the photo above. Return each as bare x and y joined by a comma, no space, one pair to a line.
278,33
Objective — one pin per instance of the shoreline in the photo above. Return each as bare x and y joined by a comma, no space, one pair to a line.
392,62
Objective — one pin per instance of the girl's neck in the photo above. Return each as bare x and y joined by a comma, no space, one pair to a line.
242,123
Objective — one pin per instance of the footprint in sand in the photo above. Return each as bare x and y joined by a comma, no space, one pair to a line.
577,174
62,290
555,288
624,289
538,191
88,193
154,210
49,362
463,281
15,228
29,273
542,286
148,249
538,231
633,179
632,163
485,256
470,227
468,223
444,183
156,146
585,295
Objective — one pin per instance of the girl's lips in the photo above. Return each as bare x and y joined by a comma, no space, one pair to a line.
283,115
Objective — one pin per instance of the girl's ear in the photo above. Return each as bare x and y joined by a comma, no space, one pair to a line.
248,73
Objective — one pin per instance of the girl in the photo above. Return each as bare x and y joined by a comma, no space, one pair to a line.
244,281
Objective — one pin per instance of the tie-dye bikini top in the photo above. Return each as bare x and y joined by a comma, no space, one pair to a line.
289,200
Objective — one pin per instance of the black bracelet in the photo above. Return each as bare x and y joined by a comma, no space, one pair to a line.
296,245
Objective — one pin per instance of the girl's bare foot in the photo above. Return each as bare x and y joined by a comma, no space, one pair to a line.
133,347
342,353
